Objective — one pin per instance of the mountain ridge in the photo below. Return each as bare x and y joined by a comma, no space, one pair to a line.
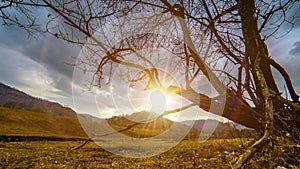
13,98
22,115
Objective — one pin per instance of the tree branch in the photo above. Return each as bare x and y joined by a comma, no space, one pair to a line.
287,80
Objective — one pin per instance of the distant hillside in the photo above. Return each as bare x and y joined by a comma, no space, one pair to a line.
88,117
16,122
208,126
15,99
24,115
148,127
220,129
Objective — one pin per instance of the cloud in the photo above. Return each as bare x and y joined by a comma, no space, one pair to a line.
50,53
38,66
53,53
26,74
296,49
285,51
56,55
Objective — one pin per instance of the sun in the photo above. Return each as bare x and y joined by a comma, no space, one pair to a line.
157,97
157,100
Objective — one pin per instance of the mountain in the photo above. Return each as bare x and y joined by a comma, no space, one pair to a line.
148,125
89,117
220,129
15,99
24,115
206,126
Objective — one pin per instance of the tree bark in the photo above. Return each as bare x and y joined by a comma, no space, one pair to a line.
234,108
255,46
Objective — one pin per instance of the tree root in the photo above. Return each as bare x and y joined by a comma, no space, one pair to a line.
251,150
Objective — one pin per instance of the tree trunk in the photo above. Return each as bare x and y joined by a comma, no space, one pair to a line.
255,46
234,108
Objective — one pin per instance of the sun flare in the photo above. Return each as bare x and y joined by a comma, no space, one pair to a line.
156,100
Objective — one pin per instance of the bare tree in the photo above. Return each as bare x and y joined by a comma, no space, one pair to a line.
224,41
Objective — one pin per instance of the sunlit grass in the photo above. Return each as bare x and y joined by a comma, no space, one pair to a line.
28,123
220,153
189,154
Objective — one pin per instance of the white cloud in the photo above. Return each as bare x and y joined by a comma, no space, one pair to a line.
25,74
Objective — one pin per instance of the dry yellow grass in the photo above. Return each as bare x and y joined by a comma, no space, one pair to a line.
28,123
187,154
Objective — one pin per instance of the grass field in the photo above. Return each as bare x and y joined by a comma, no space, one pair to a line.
217,153
187,154
220,153
18,122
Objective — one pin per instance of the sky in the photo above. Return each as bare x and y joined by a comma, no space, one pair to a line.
41,66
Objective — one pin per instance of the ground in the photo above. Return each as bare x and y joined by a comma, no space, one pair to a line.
188,154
